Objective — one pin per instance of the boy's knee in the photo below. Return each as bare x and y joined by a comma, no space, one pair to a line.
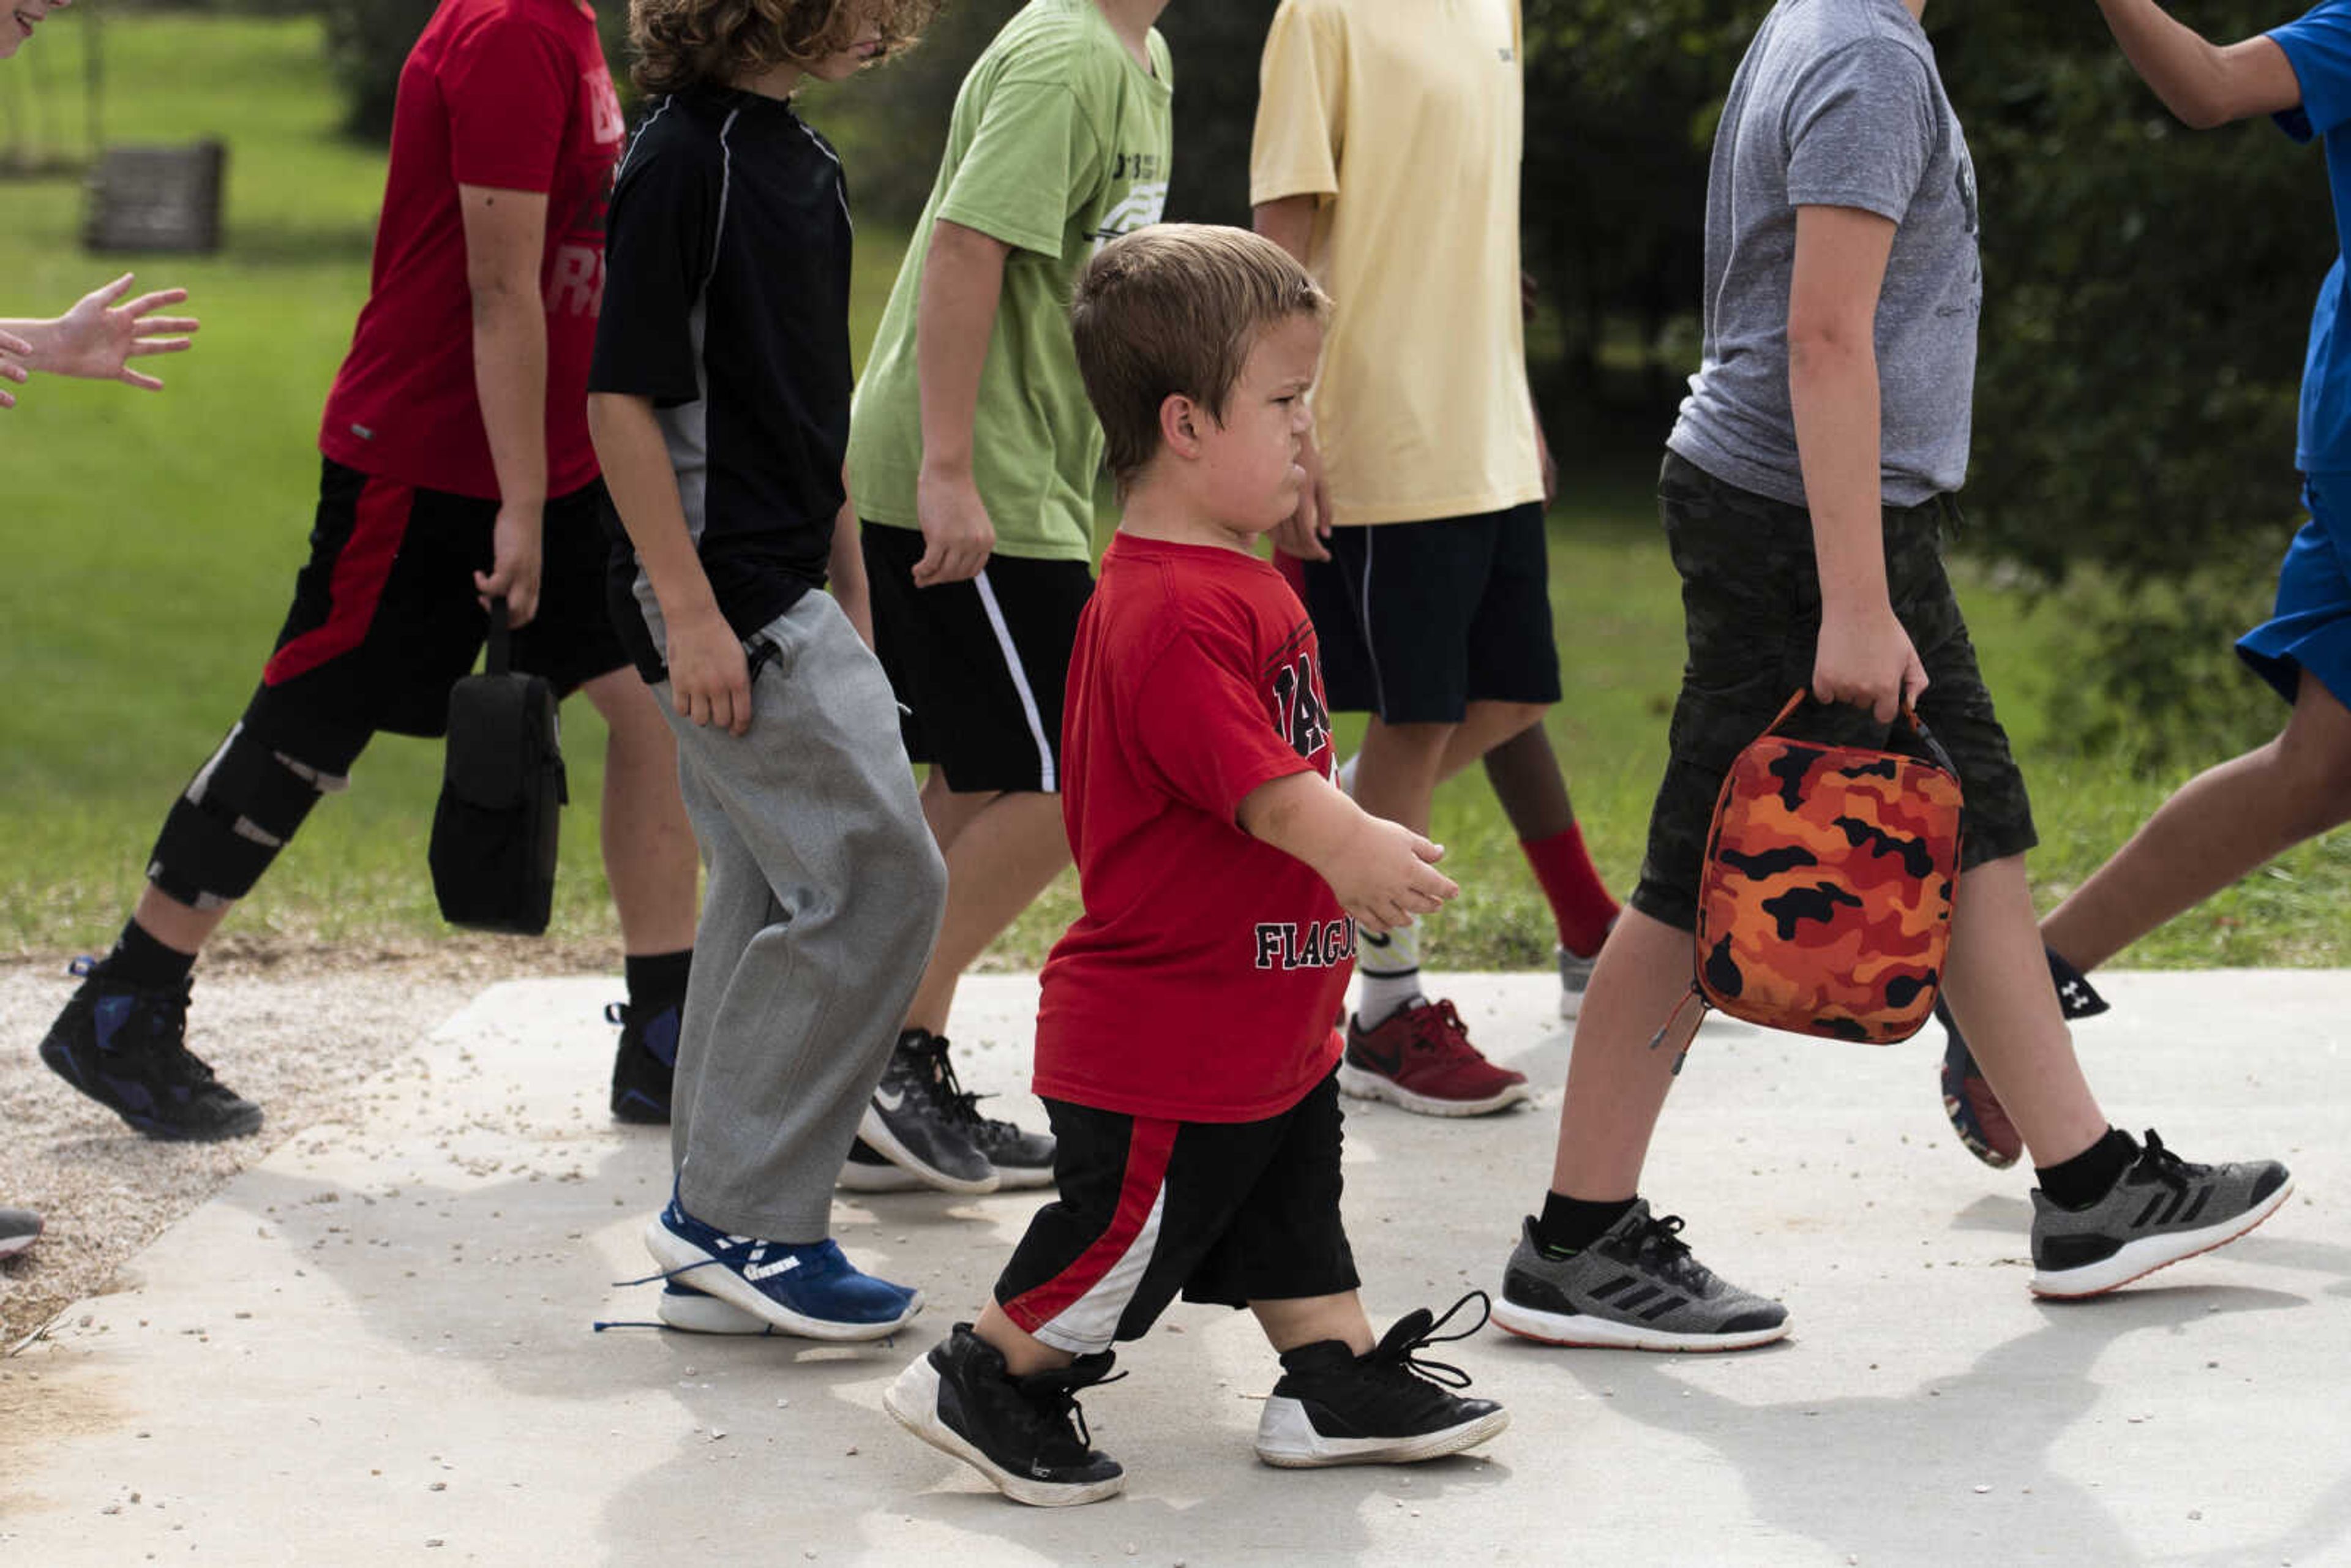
232,820
1513,719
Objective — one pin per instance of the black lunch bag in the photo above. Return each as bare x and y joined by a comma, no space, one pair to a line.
502,794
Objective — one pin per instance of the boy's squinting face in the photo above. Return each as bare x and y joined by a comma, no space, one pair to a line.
1250,476
19,18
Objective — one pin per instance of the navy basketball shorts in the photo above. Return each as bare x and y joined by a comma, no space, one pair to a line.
1225,1212
1751,612
1417,621
979,665
385,619
2310,628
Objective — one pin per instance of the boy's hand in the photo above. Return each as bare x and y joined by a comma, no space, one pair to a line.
1868,660
13,351
709,678
98,338
514,563
1388,875
1302,532
958,537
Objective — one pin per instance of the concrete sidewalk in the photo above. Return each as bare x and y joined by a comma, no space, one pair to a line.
376,1347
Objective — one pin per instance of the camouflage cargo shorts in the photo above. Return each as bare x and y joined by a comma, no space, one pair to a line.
1751,607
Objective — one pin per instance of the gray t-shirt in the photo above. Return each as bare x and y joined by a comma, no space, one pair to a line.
1837,104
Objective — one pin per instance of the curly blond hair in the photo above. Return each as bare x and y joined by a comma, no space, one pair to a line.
681,44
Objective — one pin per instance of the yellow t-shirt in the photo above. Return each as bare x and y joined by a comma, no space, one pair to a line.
1406,118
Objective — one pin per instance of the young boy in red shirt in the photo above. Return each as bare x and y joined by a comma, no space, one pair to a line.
1184,1046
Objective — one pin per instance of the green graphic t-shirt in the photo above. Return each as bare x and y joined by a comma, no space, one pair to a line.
1059,144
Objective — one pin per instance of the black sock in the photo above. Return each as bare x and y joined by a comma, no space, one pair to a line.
656,979
1571,1224
139,959
2089,1176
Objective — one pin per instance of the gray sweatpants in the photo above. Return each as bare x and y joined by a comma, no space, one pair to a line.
823,898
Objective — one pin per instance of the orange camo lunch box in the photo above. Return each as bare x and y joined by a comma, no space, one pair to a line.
1824,907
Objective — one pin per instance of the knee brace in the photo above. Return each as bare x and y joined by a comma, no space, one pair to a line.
230,823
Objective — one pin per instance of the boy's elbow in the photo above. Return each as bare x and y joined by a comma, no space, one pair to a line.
1822,345
2202,110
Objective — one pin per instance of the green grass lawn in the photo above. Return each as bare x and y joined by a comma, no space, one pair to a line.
151,544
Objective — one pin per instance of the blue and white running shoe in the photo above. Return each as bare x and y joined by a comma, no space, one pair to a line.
811,1290
690,1310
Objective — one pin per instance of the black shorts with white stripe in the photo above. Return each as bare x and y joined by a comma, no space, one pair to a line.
1417,621
1226,1212
980,665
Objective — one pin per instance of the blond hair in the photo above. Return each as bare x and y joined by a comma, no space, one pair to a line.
1172,310
681,44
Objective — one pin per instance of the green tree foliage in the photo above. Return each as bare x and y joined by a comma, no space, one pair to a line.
2148,296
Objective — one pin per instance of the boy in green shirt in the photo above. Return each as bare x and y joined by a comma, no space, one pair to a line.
973,455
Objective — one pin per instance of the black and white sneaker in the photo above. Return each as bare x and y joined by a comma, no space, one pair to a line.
1023,1159
19,1228
1636,1288
916,1123
1026,1435
2160,1210
1386,1407
644,1064
866,1171
126,1048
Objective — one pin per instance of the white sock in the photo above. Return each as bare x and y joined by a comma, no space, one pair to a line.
1347,775
1388,965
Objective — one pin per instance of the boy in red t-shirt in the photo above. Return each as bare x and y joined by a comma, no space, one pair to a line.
1223,876
457,469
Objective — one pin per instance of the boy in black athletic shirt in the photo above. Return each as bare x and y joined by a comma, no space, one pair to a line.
719,402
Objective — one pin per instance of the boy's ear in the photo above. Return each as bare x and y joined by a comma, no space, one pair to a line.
1179,424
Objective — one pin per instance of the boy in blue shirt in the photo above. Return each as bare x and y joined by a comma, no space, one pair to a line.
2225,821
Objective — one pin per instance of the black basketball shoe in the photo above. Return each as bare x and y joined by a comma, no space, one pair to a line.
126,1048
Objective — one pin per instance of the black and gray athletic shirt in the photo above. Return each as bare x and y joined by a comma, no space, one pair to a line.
726,305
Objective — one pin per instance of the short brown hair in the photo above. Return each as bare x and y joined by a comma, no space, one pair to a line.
1172,310
681,44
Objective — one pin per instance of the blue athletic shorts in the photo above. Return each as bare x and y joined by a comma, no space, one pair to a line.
2310,629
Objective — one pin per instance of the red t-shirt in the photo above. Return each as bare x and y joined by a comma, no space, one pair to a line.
514,95
1200,982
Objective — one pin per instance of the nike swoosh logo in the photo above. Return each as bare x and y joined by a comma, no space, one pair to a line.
1387,1066
889,1100
1369,940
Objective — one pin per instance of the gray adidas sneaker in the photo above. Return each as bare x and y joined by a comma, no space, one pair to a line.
1636,1288
1574,975
2161,1210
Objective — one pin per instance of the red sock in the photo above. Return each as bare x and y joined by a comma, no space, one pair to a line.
1579,899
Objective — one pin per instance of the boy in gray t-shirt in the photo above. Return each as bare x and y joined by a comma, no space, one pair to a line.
1803,497
1838,105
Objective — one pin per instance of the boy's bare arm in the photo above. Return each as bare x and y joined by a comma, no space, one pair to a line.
2203,83
710,680
1289,222
505,235
963,279
1864,657
846,569
97,339
1384,872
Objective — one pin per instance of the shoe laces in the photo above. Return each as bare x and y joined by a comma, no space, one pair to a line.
2160,1163
1437,1027
1418,1327
935,1075
162,1015
1054,1395
1658,1245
